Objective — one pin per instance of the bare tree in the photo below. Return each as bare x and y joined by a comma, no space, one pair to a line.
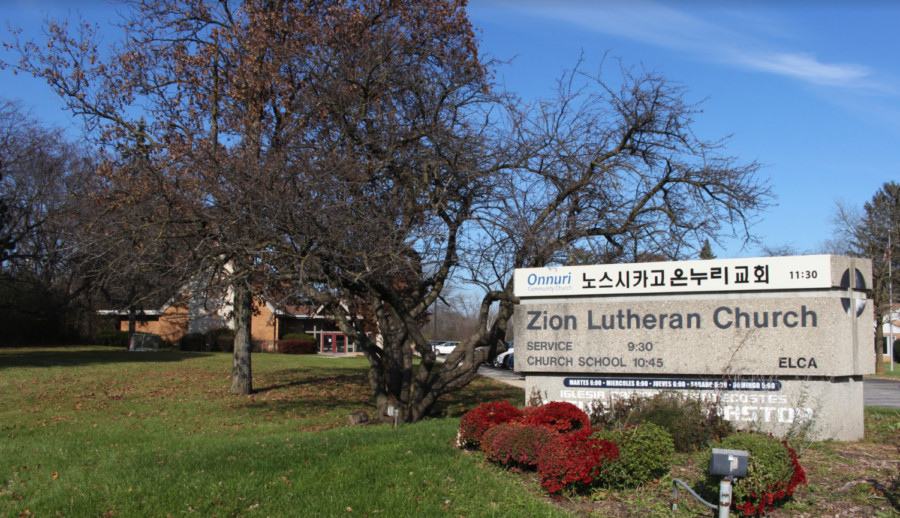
615,170
844,219
781,250
468,187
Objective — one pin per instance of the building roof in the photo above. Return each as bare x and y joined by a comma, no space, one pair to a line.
124,312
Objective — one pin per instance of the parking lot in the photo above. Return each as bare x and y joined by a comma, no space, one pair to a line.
507,376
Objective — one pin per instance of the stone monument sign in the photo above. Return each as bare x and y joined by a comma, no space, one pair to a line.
776,342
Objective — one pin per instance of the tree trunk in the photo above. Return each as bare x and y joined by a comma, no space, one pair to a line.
241,374
132,324
879,345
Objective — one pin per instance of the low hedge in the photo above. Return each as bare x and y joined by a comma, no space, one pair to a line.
297,347
112,338
299,336
692,424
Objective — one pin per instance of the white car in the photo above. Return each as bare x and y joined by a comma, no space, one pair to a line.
502,359
445,348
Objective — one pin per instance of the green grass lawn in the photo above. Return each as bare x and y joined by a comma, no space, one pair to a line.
91,431
888,373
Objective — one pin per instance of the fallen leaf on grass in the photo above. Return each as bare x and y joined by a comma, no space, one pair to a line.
252,507
55,475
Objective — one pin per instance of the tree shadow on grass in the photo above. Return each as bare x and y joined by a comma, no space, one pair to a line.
892,492
314,380
312,392
80,356
294,382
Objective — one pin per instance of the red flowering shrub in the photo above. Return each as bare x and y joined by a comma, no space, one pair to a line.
773,472
559,416
778,490
297,347
482,418
519,446
572,460
487,440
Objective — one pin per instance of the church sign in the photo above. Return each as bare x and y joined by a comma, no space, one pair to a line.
776,336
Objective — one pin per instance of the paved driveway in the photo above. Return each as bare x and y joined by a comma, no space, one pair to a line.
508,376
884,393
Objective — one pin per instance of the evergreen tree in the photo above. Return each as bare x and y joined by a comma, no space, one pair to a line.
706,252
876,237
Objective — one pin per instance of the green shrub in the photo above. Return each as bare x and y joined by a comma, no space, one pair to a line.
299,336
645,453
692,424
773,472
193,342
112,338
220,332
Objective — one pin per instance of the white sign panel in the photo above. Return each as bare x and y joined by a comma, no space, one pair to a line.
715,275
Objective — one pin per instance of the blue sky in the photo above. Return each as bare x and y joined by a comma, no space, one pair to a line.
811,89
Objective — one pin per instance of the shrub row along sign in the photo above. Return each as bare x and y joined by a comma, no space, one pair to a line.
777,343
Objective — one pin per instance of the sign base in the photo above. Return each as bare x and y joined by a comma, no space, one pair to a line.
827,408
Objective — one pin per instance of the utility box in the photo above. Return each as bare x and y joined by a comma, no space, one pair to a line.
728,463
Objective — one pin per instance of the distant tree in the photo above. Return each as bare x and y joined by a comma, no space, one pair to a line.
209,90
872,232
706,252
783,250
39,286
877,236
116,249
845,219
